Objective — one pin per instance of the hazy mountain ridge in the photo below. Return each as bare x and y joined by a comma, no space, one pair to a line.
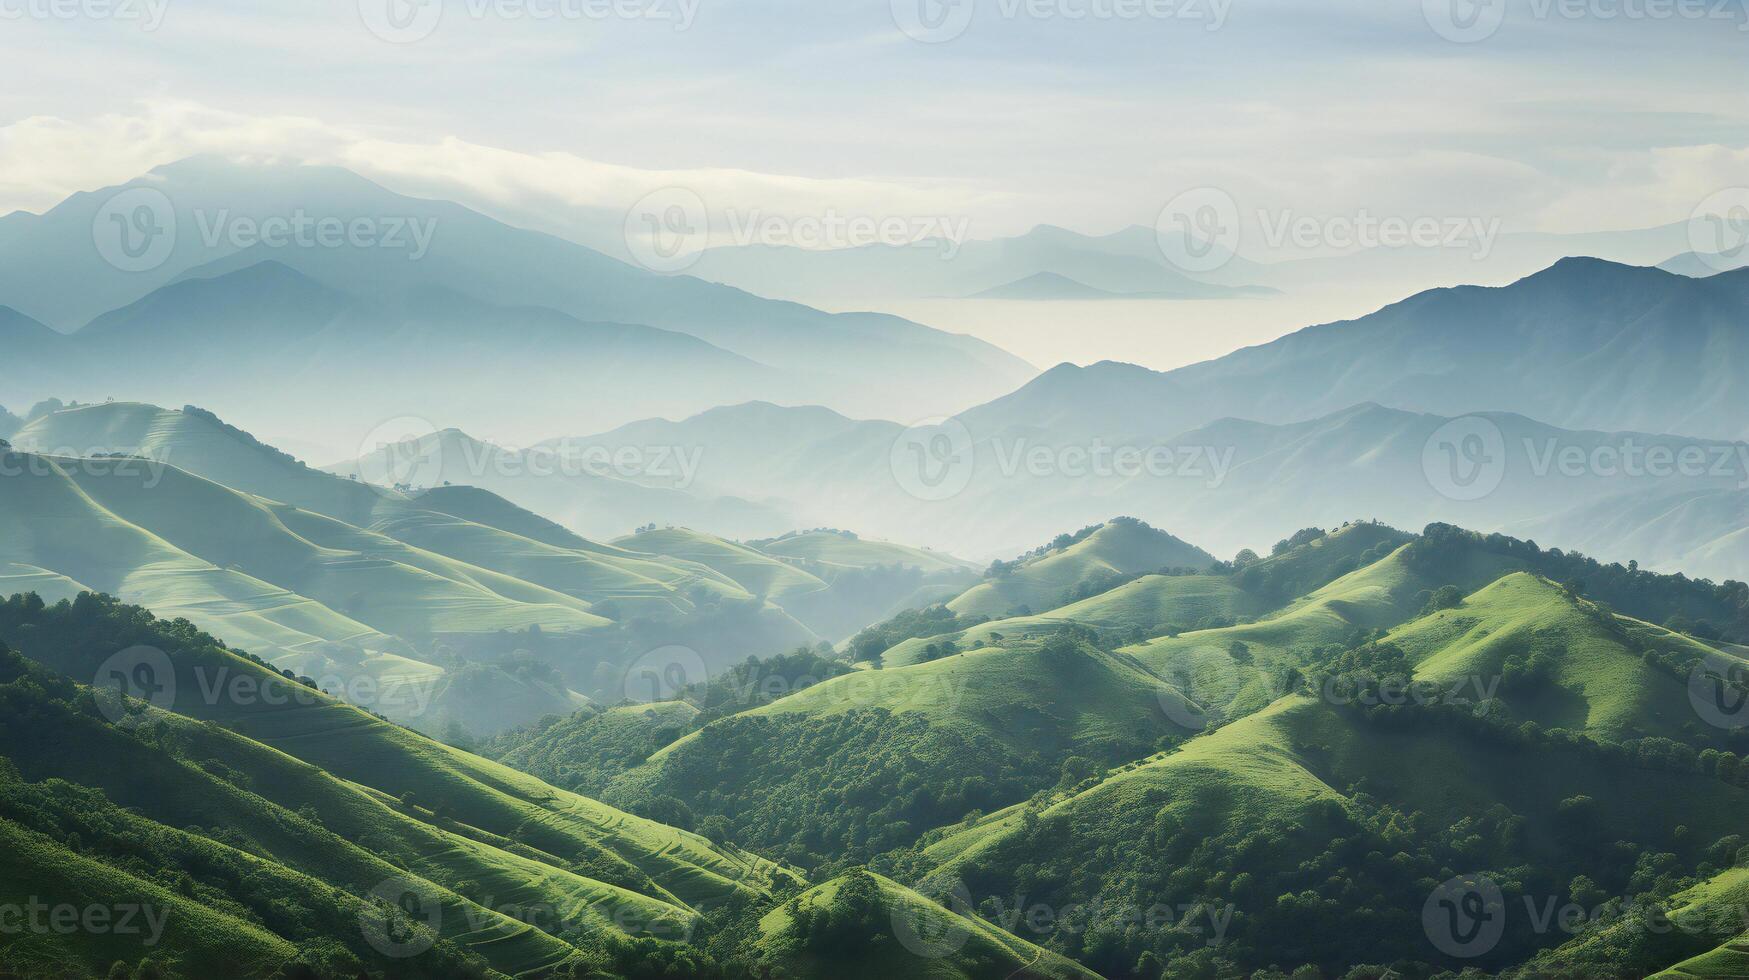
849,359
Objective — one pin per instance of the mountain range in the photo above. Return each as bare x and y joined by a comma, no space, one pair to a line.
416,324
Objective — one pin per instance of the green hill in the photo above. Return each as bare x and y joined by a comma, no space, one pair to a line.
486,801
863,925
759,574
866,762
1321,833
1106,551
585,750
844,550
356,584
1563,662
1233,670
1154,604
272,816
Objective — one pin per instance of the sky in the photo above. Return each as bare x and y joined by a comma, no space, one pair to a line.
992,116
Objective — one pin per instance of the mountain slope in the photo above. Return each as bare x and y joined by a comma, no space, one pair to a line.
319,807
1290,801
841,928
1119,547
865,762
1576,337
426,249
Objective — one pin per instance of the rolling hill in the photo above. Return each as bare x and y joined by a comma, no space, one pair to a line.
1111,550
314,803
419,588
863,925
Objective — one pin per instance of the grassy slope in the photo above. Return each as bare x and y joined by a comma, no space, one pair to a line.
352,745
1022,712
454,527
1380,595
757,573
1276,767
204,942
1599,685
1117,548
844,551
1147,602
585,751
1155,602
970,948
49,522
393,587
361,839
